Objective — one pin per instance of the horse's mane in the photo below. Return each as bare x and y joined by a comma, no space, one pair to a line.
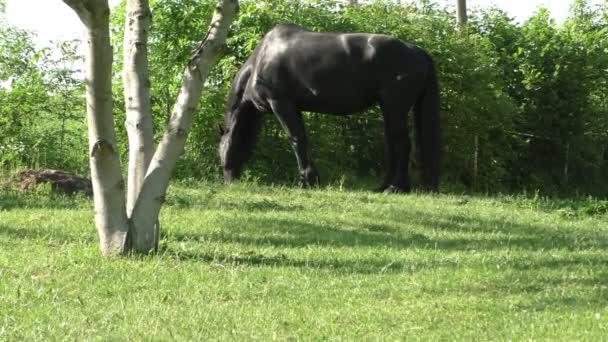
234,97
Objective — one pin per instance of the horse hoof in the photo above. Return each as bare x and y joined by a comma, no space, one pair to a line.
310,178
308,185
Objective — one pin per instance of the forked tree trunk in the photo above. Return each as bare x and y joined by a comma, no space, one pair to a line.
108,185
106,176
138,109
137,96
172,144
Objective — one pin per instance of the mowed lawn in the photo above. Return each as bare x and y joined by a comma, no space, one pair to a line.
252,262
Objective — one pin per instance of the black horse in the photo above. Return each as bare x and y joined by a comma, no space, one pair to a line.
294,70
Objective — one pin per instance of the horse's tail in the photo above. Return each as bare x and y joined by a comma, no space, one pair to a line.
427,125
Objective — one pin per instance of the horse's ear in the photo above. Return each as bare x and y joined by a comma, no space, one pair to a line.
221,129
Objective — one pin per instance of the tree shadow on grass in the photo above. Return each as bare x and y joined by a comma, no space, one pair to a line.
10,200
532,236
540,279
37,233
379,265
291,233
476,234
260,206
340,266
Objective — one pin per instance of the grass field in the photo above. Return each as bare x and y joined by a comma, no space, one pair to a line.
251,262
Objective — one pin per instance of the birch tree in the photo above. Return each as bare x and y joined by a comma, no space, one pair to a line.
461,12
128,220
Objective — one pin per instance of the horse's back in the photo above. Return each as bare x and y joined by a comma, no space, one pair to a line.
329,71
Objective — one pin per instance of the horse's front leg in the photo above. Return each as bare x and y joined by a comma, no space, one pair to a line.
291,120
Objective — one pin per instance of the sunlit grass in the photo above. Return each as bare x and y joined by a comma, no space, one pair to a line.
272,263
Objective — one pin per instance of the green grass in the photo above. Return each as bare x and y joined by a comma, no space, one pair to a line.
250,262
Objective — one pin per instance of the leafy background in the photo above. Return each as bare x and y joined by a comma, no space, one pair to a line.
528,100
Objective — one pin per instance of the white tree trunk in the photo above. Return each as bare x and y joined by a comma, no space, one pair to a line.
137,101
106,176
461,12
137,96
149,202
108,185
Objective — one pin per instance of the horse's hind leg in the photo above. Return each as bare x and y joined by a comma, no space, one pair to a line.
291,121
395,107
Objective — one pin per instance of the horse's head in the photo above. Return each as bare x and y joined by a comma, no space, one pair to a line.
237,139
242,123
229,156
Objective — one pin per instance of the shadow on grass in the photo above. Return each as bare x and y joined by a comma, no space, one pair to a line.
36,233
479,235
260,205
251,258
10,200
385,265
517,274
546,281
532,236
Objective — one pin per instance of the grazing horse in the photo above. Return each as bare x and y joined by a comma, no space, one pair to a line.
293,70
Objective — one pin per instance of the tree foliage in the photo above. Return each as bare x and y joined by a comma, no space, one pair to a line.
528,101
41,120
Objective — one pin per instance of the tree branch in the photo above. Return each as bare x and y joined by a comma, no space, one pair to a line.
79,6
106,176
137,96
155,185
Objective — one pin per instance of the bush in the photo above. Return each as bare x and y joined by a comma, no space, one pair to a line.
523,106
